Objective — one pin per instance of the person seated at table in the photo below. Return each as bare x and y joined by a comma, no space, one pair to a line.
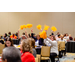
70,37
66,36
38,41
54,48
5,36
1,41
16,34
63,51
13,36
11,54
9,34
59,38
8,42
62,39
24,36
33,46
26,51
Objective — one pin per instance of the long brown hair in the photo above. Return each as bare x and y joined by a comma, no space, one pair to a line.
32,42
9,39
53,37
26,46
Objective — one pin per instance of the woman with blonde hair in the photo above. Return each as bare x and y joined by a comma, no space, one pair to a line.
32,43
26,51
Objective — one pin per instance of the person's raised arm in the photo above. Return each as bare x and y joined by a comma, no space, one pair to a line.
26,34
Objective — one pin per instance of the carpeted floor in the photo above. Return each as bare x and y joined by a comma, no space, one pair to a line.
68,58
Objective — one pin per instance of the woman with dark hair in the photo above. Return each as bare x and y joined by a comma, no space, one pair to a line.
38,41
5,36
8,42
66,36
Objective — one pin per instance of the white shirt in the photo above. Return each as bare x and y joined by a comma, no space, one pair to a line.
37,43
47,42
58,39
54,46
64,40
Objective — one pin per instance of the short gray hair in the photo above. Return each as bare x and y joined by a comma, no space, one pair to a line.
12,54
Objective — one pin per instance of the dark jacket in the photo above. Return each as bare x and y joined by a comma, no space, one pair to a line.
41,40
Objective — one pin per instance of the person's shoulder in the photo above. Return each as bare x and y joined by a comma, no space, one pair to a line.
28,55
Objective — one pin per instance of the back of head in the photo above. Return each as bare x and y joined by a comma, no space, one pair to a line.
32,42
11,54
59,35
26,45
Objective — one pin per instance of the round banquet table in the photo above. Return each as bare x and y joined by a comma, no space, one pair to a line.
38,49
70,47
16,41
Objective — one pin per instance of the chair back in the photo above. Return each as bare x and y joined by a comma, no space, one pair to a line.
45,51
1,48
59,45
62,45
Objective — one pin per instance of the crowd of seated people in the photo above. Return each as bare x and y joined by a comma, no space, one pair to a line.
28,43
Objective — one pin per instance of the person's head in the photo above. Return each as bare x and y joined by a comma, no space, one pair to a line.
62,37
66,34
29,35
58,33
13,35
16,34
11,54
34,35
8,42
53,38
59,36
69,35
32,41
38,37
24,37
25,46
5,35
9,33
70,38
49,37
23,33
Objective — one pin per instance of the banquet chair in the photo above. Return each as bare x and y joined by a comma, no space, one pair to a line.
1,48
38,56
45,53
62,46
58,51
36,60
60,55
